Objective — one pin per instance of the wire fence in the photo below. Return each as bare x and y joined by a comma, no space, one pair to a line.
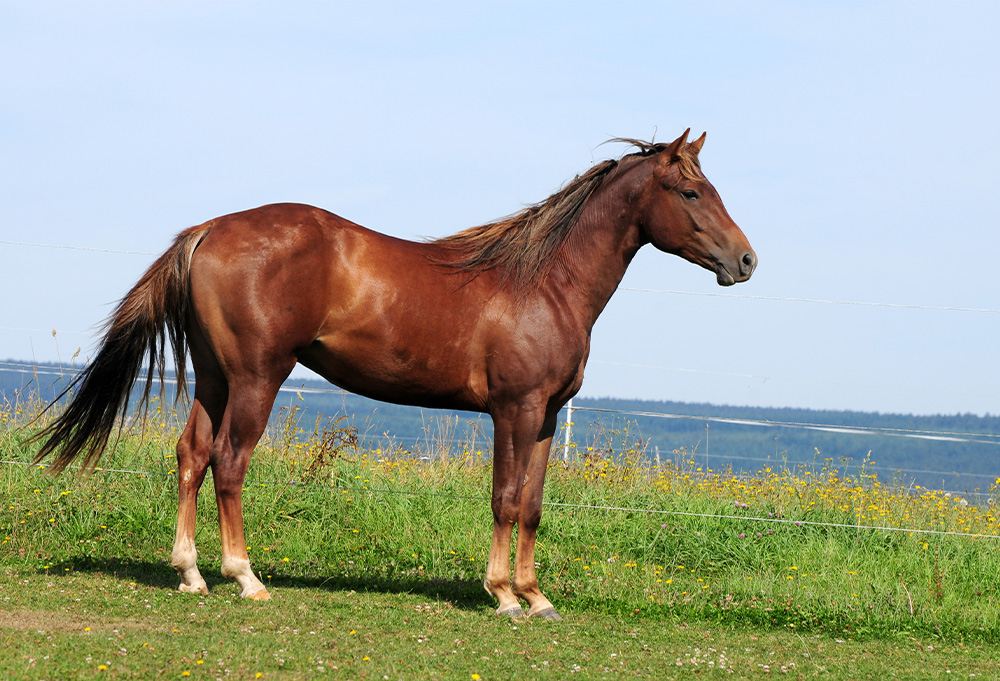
737,296
919,434
938,435
817,301
557,504
989,439
76,248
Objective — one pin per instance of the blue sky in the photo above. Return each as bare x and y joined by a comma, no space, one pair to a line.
856,143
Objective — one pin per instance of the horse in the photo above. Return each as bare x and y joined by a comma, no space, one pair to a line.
495,319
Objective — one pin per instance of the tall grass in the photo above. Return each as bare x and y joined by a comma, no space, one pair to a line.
782,549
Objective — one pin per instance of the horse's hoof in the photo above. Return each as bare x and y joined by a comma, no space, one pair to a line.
193,589
547,614
261,595
513,612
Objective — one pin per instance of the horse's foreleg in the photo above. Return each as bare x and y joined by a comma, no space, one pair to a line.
513,442
497,580
244,423
193,450
529,516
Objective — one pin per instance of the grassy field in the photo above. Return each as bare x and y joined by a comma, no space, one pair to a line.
375,558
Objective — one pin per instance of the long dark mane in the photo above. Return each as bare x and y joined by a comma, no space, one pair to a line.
521,246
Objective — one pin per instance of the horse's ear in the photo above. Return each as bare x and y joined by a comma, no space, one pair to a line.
696,146
673,150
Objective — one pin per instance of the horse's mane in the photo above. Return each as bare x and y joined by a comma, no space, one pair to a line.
521,246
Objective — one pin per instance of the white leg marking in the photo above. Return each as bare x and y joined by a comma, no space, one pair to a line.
185,561
239,569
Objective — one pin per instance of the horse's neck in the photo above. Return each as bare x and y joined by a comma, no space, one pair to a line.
594,258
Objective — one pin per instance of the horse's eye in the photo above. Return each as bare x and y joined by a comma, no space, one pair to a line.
689,194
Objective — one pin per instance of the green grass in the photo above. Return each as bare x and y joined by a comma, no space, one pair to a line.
123,615
393,549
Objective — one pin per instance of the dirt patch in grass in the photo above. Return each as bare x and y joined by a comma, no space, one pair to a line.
47,622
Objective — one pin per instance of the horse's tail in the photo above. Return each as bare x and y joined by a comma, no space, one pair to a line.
153,311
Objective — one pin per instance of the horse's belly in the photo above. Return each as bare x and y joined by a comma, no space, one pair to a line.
435,379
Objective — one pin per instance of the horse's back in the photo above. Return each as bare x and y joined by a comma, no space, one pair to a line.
370,312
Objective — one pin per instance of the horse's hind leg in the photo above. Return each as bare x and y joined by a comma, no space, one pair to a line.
249,407
193,449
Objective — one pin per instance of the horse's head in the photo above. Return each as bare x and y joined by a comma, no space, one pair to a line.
681,213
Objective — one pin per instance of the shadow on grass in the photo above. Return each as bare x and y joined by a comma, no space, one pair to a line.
465,594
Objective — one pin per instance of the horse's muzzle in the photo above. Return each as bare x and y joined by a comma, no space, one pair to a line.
738,271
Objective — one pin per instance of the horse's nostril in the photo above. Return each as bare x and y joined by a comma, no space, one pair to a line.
748,263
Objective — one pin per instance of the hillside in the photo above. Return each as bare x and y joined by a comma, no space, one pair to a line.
917,450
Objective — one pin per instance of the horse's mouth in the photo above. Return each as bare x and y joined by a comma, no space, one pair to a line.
723,276
742,268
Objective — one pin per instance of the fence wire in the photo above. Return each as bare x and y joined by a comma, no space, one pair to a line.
944,436
739,296
933,435
560,505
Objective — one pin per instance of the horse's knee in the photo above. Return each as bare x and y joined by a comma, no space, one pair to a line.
506,506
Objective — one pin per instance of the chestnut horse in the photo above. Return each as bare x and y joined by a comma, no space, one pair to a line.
495,319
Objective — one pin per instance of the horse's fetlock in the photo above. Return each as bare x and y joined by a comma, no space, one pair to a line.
235,567
184,556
